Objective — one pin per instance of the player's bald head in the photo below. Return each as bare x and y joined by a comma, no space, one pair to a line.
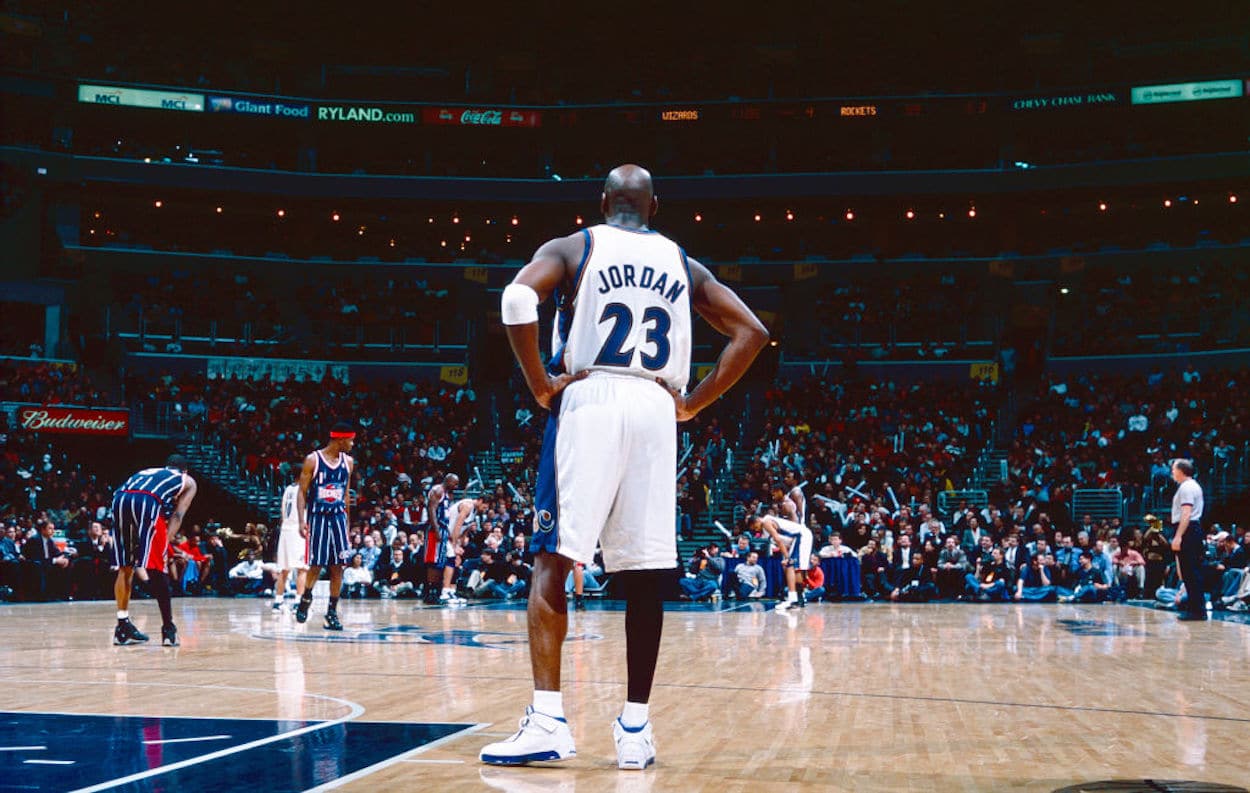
628,193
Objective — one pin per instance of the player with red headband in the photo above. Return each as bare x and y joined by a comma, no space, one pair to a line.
324,509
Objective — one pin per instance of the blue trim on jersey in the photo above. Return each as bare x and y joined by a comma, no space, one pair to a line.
546,490
581,266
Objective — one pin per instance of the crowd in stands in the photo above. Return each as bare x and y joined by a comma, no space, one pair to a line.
916,439
1096,431
873,458
40,382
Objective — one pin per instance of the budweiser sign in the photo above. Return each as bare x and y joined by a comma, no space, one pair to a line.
81,421
466,117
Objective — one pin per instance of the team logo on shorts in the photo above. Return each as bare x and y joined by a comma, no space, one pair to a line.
546,522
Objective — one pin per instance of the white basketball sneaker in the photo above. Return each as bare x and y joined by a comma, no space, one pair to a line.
540,739
635,746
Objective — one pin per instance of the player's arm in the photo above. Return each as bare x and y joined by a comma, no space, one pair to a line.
788,509
182,504
347,492
553,264
724,311
1182,526
431,505
301,500
457,525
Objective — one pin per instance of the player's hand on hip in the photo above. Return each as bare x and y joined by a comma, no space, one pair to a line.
557,384
683,409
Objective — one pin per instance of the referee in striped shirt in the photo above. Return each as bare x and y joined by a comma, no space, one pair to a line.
1187,543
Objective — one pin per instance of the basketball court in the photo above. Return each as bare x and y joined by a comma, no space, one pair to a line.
848,697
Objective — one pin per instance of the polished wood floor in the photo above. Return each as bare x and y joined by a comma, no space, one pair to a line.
851,697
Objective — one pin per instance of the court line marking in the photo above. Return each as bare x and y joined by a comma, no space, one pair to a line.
188,740
22,748
149,715
355,710
399,758
48,762
434,762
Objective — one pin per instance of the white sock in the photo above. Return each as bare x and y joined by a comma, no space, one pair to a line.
792,597
550,703
123,614
634,714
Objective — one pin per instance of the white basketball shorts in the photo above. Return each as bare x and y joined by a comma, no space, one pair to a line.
611,453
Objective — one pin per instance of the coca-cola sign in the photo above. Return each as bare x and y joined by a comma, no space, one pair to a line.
79,421
472,117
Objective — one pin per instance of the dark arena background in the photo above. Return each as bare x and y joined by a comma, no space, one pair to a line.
1003,256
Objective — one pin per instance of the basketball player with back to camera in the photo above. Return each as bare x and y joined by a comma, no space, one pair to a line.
615,389
324,509
292,556
146,509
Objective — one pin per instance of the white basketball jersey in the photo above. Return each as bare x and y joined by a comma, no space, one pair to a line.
468,518
290,521
630,307
788,528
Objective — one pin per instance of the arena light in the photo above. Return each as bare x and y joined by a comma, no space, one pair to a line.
360,231
578,220
335,217
96,215
1102,206
516,221
698,217
468,238
757,217
443,244
972,212
850,215
158,204
789,215
281,213
1232,199
219,210
911,215
392,243
1167,203
429,220
455,218
941,216
1063,290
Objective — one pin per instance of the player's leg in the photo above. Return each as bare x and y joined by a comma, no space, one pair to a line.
340,551
310,577
579,586
124,552
577,474
154,544
548,617
336,586
279,589
640,546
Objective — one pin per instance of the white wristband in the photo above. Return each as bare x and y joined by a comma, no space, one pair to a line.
519,305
